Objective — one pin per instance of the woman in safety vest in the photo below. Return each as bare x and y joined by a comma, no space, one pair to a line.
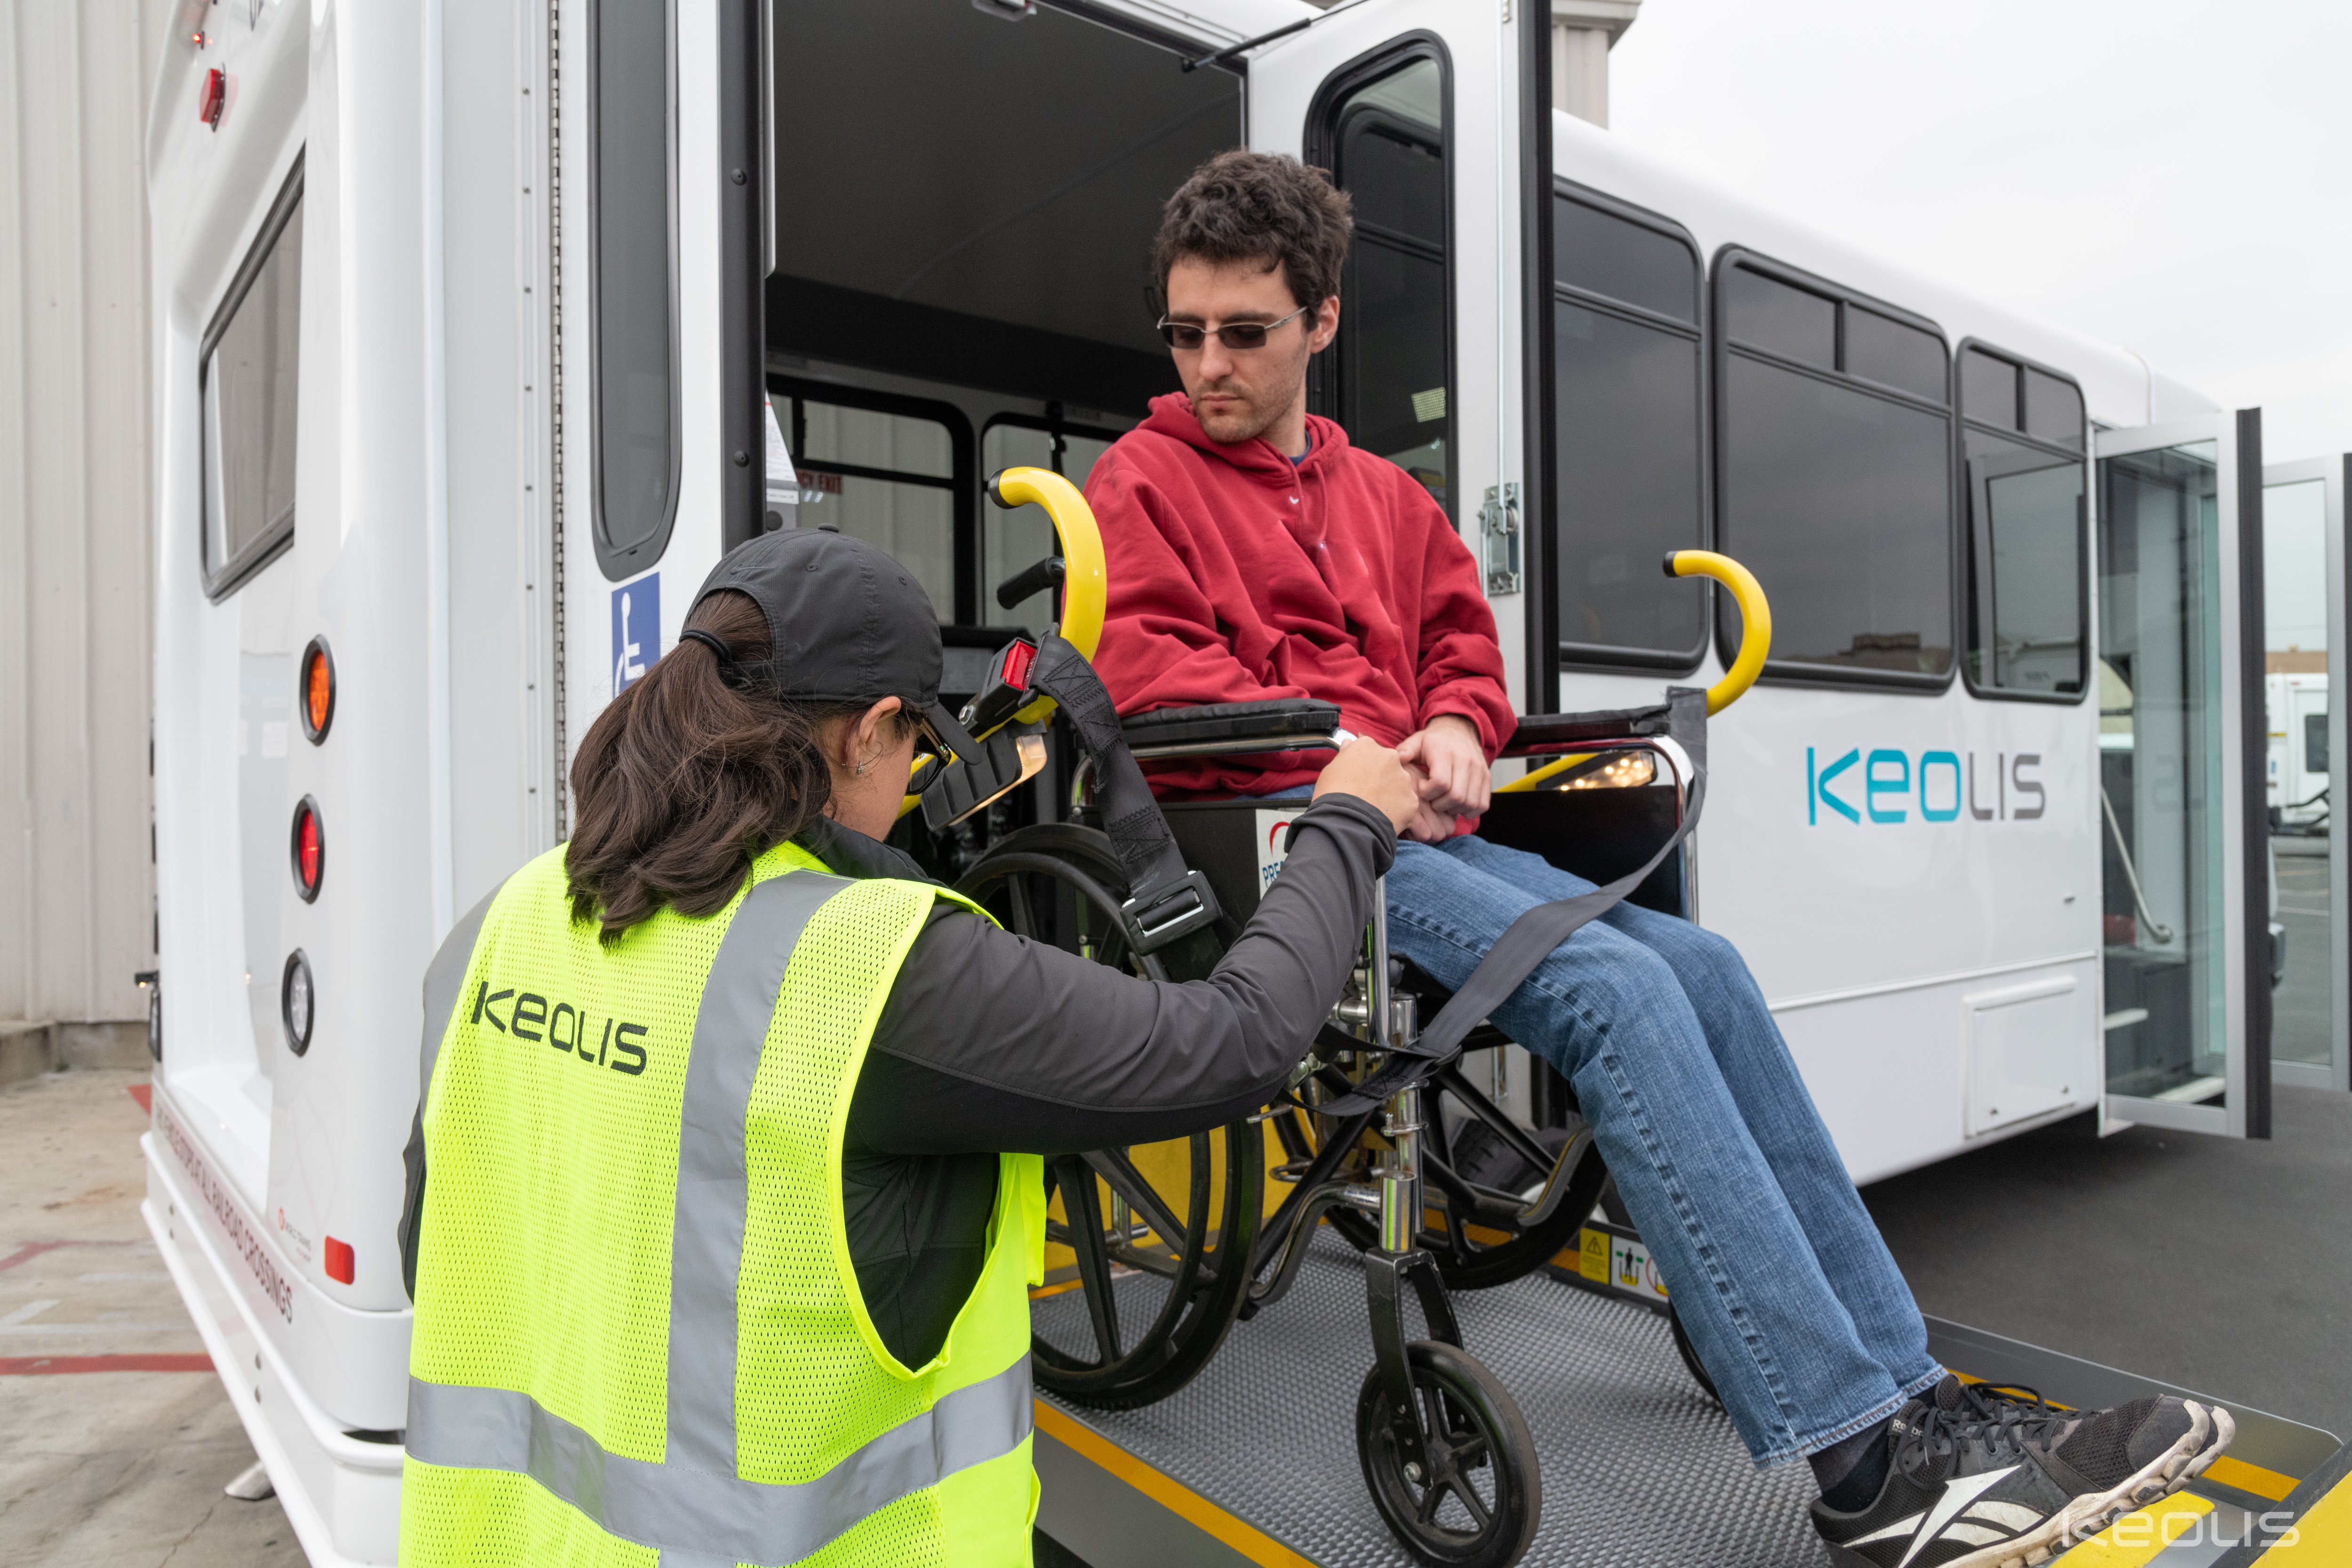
733,1118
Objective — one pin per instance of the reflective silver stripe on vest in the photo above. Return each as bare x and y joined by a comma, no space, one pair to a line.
731,1030
688,1512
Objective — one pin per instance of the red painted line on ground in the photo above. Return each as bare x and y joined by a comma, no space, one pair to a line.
144,1093
43,1365
29,1251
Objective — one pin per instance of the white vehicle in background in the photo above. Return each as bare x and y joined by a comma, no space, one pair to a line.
469,316
2299,756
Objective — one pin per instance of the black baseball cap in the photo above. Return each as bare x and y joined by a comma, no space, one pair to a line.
846,623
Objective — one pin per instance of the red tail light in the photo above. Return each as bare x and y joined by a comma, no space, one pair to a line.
309,849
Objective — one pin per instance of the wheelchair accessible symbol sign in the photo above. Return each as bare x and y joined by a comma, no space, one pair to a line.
636,630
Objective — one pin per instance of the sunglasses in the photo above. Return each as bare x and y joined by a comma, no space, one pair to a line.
1240,335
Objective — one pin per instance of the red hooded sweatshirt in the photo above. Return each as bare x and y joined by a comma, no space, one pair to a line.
1237,576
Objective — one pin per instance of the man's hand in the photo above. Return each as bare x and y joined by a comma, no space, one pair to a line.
1454,778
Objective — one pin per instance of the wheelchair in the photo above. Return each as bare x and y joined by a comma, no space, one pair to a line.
1382,1135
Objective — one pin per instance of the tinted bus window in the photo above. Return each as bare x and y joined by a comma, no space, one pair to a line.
1836,485
1628,454
633,312
250,386
1394,369
2024,608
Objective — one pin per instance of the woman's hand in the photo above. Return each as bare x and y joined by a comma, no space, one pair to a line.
1371,772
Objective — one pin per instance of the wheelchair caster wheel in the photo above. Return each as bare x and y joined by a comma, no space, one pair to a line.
1476,1501
1689,1353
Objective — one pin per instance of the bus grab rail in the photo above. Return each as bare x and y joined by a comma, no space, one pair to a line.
1755,645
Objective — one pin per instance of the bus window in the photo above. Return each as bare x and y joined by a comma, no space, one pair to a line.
1011,540
250,378
1387,147
634,314
893,473
1628,452
1834,476
2024,606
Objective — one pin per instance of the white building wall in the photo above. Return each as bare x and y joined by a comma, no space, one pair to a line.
77,876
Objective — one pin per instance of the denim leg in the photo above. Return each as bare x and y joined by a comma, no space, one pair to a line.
1793,1365
1773,1101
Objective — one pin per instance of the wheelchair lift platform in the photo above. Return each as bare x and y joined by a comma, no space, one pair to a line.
1254,1461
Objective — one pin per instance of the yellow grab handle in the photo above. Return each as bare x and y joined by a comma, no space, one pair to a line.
1755,620
1084,580
1537,775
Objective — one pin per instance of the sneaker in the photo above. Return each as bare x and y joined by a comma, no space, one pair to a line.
1991,1478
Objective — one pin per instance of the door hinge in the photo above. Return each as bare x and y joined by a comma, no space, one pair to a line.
1498,522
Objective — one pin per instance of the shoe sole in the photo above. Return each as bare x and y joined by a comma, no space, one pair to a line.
2210,1431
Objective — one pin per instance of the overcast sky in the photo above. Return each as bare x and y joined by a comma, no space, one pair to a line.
2173,175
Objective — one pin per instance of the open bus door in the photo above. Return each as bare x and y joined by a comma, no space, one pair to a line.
2182,753
665,233
1417,112
2304,557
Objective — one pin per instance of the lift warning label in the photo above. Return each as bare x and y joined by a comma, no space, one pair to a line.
1617,1259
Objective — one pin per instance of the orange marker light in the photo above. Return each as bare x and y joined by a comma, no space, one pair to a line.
314,691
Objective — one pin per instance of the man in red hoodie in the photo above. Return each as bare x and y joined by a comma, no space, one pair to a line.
1254,554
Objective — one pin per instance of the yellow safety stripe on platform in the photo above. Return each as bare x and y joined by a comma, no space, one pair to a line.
2322,1533
2140,1537
2229,1472
1168,1492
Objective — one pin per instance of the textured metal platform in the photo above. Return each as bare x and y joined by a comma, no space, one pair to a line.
1640,1468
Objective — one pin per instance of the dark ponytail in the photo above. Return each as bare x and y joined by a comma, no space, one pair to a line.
686,778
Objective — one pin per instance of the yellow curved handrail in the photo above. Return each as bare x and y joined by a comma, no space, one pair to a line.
1755,620
1086,582
1086,585
1755,644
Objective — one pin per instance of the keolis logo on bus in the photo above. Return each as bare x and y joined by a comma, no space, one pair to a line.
1887,786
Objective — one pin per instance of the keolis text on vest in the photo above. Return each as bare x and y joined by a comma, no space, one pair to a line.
564,1026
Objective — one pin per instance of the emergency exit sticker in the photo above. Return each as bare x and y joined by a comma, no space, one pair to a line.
637,629
1272,845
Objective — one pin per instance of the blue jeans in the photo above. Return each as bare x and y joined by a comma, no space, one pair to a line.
1778,1272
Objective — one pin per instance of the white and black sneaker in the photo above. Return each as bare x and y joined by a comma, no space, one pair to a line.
1987,1477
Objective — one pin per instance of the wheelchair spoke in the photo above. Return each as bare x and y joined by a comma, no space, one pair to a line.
1016,895
1078,1201
1117,1170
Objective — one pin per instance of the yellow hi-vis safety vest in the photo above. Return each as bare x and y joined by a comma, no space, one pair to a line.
639,1338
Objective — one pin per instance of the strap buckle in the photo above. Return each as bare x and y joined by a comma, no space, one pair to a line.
1158,914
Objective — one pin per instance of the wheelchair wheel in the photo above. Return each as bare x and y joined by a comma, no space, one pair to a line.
1475,1179
1476,1502
1159,1237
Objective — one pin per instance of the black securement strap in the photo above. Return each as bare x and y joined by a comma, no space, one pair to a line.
1166,899
1531,938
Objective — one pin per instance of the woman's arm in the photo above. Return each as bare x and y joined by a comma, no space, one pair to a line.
992,1042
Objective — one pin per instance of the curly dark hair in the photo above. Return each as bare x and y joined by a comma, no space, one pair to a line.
1259,207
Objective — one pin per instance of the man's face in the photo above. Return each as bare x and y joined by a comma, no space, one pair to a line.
1238,393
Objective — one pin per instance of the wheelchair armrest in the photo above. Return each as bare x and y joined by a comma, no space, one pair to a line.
1221,722
1538,732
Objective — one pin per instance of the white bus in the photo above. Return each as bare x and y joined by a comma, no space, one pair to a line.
468,316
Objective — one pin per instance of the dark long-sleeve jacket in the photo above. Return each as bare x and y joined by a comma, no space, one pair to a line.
991,1043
